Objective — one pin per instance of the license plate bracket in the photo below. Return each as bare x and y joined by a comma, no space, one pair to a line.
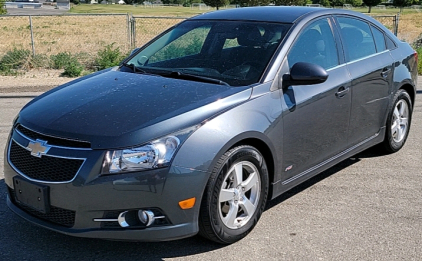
32,195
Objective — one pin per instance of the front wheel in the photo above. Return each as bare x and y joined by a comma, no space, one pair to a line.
235,195
398,122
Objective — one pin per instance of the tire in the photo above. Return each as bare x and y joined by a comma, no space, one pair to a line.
398,122
235,195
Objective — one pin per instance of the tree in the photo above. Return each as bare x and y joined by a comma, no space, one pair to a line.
336,2
3,7
371,3
216,3
402,3
253,2
325,3
354,2
290,2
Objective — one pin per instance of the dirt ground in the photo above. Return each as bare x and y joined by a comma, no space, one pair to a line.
32,81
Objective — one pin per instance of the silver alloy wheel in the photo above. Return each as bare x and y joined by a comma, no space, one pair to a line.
400,121
239,194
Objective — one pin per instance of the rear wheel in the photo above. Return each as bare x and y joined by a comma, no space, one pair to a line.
235,195
398,122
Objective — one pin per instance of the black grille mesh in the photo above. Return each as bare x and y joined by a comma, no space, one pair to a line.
53,140
60,216
46,168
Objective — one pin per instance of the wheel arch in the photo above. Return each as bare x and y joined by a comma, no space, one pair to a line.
266,152
262,143
410,90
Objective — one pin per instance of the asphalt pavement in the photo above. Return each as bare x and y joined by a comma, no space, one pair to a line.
365,208
30,10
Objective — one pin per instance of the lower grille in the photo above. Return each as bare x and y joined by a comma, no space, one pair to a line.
46,168
59,216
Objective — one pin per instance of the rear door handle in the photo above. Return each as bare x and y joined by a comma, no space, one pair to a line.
342,91
385,72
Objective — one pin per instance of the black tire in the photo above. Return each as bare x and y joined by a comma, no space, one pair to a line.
398,122
227,220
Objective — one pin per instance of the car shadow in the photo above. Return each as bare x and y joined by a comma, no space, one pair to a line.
42,244
369,153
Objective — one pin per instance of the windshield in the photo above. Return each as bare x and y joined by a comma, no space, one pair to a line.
231,52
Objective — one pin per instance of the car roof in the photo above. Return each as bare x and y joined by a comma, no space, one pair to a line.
284,14
280,14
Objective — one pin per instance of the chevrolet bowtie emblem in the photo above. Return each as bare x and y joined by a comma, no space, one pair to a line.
38,148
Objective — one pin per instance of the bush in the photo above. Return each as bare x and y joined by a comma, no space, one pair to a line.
60,60
3,7
14,60
419,50
73,68
108,57
39,61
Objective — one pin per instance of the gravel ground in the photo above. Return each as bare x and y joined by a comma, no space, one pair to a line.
32,81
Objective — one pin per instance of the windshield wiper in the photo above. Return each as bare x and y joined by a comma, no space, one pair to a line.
186,76
133,67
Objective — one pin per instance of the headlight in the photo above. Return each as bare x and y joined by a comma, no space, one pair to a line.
153,155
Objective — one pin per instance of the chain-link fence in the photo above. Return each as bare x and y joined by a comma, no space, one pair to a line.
88,33
147,28
76,34
389,21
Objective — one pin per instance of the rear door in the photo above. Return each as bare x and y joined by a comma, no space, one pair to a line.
370,66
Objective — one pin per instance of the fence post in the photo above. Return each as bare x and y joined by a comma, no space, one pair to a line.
128,31
133,26
396,24
32,35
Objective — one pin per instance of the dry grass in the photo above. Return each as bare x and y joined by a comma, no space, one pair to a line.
410,27
76,34
87,34
146,29
55,34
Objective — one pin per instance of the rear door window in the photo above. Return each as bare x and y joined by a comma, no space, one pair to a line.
379,39
357,38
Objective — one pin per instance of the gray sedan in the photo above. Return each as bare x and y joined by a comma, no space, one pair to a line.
198,129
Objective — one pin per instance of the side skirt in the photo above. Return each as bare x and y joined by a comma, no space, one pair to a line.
281,186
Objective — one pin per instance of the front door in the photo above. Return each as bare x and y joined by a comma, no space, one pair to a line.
315,117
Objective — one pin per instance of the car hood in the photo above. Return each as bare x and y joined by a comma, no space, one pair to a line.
113,109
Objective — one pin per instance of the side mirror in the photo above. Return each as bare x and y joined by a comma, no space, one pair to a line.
305,74
134,51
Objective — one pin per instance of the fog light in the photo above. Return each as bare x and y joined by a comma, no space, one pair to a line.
146,217
127,219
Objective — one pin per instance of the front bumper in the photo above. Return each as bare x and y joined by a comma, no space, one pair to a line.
151,234
76,206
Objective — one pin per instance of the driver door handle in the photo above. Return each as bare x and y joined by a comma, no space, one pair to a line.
385,72
342,91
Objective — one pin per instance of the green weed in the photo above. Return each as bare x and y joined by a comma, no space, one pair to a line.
14,60
73,68
108,57
60,60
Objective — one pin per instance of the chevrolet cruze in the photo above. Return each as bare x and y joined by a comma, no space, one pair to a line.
195,131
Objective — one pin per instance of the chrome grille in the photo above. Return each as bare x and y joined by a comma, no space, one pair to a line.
52,141
46,168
